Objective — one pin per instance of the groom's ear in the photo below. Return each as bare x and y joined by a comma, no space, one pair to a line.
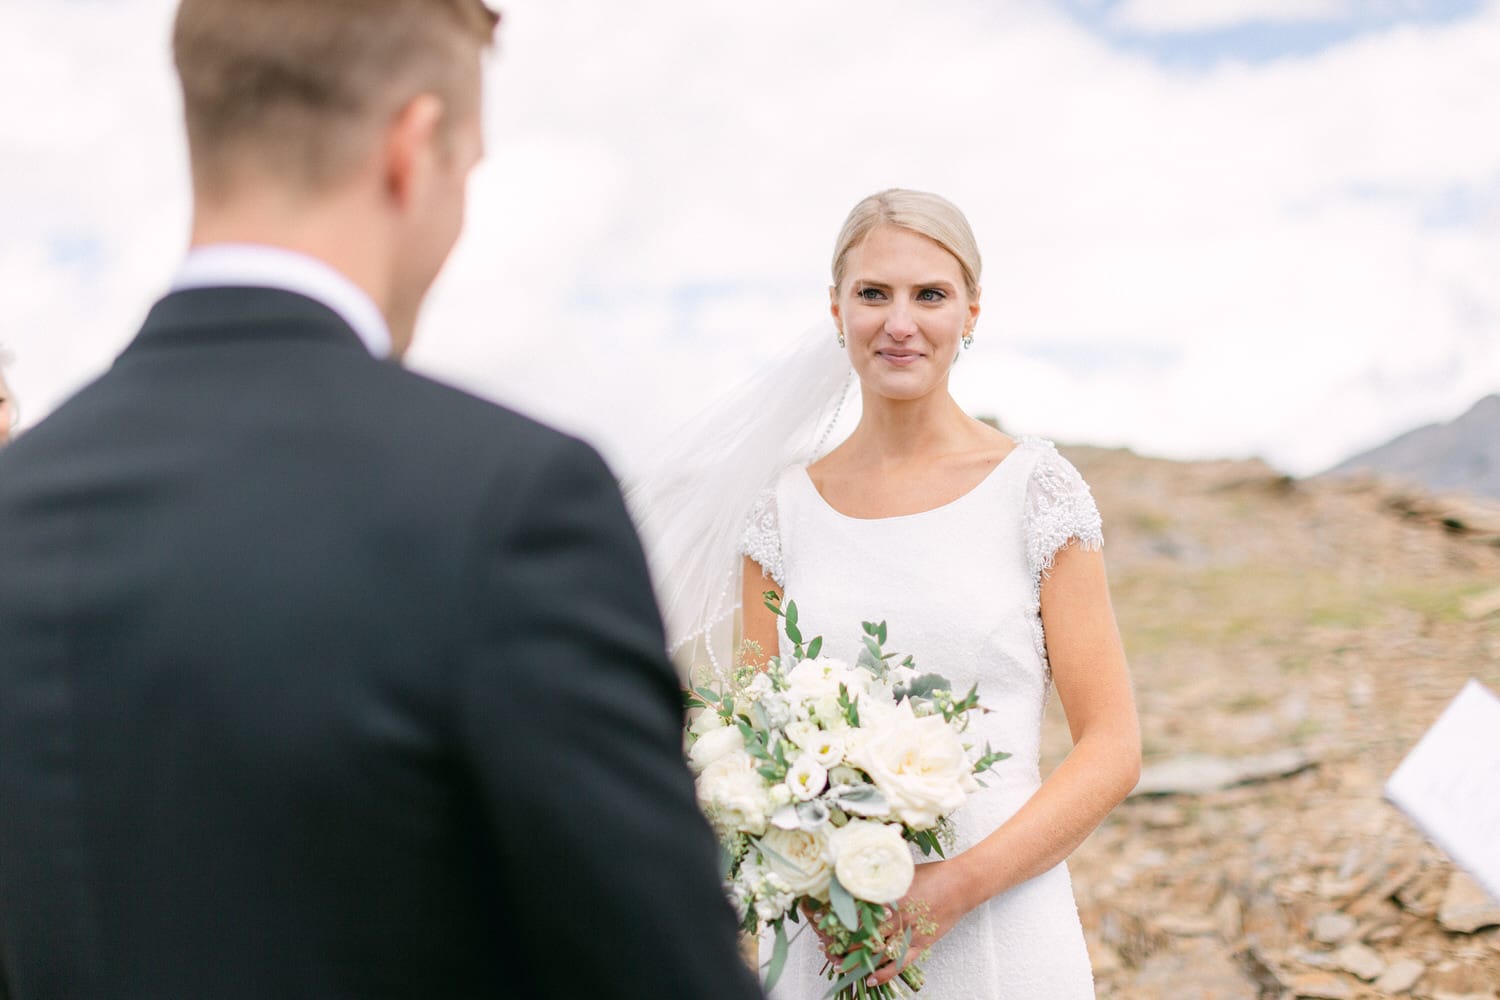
413,148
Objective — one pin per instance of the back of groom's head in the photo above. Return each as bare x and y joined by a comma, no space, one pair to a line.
297,90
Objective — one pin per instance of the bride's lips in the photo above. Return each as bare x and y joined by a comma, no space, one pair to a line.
900,359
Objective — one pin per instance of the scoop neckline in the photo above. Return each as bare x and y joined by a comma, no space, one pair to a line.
813,487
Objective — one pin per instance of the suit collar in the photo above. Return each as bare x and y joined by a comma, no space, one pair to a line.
201,316
257,265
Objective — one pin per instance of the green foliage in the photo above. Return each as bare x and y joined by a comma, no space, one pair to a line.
844,906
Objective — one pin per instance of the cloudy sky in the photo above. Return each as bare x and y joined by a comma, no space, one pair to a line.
1210,227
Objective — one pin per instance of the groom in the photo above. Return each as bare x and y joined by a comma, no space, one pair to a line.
319,679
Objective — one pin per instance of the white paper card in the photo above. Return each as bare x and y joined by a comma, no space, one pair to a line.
1450,784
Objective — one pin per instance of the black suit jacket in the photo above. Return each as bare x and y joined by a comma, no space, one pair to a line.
321,679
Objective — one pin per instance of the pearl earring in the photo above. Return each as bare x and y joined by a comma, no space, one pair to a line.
841,338
968,339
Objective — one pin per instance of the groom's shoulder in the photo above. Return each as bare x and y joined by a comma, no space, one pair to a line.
487,428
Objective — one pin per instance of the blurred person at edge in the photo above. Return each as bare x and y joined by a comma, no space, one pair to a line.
10,413
320,679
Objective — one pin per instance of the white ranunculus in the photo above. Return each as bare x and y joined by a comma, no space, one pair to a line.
872,860
806,778
733,795
802,859
919,764
713,745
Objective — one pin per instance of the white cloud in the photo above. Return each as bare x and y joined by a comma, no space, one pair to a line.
1171,16
1190,16
1292,259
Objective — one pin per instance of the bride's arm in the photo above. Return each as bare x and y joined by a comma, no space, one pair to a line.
1093,684
758,624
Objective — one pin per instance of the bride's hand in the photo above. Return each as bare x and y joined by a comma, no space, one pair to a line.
930,908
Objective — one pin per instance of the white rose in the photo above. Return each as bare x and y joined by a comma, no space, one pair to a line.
713,745
919,764
733,795
872,861
802,859
807,777
813,679
707,721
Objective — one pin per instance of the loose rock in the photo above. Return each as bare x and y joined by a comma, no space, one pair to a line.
1198,774
1361,960
1466,907
1400,976
1331,928
1321,986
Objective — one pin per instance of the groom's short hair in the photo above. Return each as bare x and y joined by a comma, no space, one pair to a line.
297,89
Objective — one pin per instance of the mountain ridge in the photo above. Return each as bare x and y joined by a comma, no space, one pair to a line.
1460,456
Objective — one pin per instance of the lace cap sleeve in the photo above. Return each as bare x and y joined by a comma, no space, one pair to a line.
762,538
1059,508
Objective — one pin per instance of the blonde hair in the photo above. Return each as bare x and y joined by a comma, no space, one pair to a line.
919,212
294,86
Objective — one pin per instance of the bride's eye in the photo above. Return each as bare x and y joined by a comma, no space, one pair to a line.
931,295
870,294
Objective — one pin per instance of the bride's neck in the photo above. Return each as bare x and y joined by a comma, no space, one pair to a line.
897,431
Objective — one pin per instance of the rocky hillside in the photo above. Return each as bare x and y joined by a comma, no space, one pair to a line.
1461,456
1290,640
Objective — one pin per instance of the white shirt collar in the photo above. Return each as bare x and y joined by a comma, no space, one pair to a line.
253,265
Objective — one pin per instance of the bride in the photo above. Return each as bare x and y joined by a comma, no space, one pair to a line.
982,553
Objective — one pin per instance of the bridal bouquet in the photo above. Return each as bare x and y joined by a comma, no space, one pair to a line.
817,776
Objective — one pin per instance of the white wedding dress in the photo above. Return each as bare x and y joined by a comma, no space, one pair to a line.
959,587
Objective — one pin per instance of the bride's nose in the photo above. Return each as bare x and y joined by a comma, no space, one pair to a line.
899,323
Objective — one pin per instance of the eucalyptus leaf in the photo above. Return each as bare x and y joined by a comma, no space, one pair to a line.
880,633
726,861
843,904
778,957
926,685
814,648
791,612
848,979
